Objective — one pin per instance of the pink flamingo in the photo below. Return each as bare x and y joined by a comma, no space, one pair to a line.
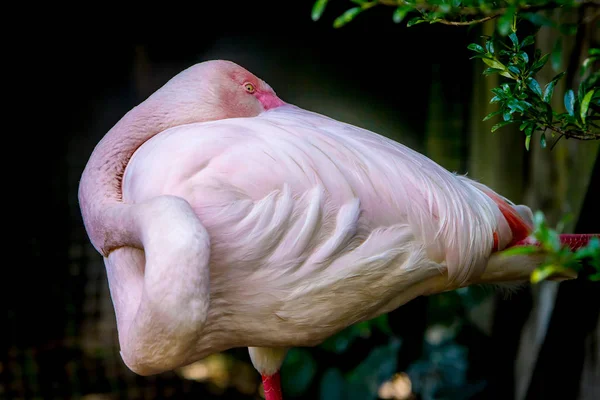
228,218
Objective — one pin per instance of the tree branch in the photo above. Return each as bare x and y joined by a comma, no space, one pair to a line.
478,12
574,134
465,23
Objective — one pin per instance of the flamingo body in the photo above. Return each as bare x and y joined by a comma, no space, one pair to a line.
228,218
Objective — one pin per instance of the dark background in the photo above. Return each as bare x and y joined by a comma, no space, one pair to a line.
83,68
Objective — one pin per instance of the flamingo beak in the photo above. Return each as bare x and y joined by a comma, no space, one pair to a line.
272,386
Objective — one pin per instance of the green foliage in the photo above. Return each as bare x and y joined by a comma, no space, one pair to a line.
361,383
339,343
462,12
558,259
299,368
441,373
522,99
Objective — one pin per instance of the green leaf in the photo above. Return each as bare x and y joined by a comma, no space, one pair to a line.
346,17
591,250
518,105
548,89
543,140
570,102
585,65
537,19
298,371
558,76
505,22
528,132
556,55
489,45
539,64
318,8
515,40
485,55
400,14
498,91
585,104
568,28
489,71
494,63
520,250
534,86
415,21
524,56
539,221
475,47
529,129
382,324
501,124
332,385
548,109
594,51
540,274
594,277
529,40
514,69
492,115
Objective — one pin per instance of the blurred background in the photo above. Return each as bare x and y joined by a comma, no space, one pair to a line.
84,68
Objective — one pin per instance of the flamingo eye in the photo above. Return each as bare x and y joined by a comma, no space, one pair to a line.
249,87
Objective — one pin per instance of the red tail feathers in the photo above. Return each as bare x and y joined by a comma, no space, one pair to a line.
519,227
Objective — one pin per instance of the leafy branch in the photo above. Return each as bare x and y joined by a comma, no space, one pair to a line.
451,12
558,259
523,101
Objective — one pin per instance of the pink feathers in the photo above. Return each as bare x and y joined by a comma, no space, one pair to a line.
229,218
519,228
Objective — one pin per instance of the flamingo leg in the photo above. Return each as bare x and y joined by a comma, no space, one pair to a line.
272,386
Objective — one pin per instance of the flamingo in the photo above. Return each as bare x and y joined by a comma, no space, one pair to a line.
227,217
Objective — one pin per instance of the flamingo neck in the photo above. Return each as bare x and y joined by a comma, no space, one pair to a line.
101,181
272,386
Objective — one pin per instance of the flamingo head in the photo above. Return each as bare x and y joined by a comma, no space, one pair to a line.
213,90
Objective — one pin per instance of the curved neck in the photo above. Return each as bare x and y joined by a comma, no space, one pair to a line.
100,185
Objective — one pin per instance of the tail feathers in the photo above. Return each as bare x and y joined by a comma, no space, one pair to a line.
515,224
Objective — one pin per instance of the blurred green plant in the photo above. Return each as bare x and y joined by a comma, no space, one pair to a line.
441,373
361,383
558,259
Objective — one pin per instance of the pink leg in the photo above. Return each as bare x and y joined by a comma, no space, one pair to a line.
272,386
